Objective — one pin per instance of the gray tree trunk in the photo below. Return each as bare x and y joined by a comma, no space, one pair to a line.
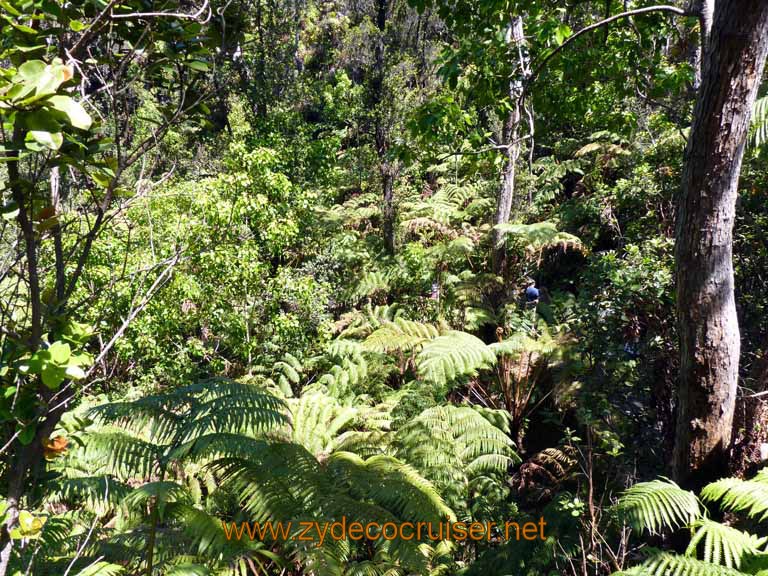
510,139
709,333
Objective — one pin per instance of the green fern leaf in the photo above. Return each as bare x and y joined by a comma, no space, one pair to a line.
451,356
723,544
750,496
658,504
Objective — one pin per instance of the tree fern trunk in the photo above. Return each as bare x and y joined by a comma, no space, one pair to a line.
709,333
153,519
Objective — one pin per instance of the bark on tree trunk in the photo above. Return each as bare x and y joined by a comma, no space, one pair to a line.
507,189
387,168
709,333
510,139
388,209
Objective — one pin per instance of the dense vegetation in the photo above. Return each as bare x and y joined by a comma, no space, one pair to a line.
386,261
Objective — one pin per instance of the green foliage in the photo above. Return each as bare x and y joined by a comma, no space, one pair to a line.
760,122
735,494
452,355
458,447
723,544
657,505
663,563
722,548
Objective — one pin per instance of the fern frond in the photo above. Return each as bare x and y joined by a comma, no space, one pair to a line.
400,335
750,496
152,415
159,493
391,484
723,544
120,454
760,122
97,493
188,570
538,236
343,377
237,408
666,564
658,504
450,445
452,355
372,282
317,421
102,569
287,372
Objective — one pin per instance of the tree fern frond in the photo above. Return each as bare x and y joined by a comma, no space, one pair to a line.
658,504
666,564
450,445
102,569
760,122
391,484
342,347
119,454
240,408
318,420
400,335
287,372
159,493
342,378
151,415
187,570
538,236
723,544
452,355
750,496
97,493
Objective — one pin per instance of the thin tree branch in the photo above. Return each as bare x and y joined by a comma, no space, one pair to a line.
628,14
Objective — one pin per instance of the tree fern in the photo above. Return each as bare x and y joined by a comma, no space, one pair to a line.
452,355
400,336
537,237
658,505
451,445
666,564
749,496
722,544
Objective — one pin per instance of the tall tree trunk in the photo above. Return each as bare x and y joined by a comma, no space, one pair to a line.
507,188
709,334
388,209
511,140
387,168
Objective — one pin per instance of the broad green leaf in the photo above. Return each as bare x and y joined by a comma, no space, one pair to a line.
60,352
52,140
53,376
197,65
74,372
76,114
29,527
